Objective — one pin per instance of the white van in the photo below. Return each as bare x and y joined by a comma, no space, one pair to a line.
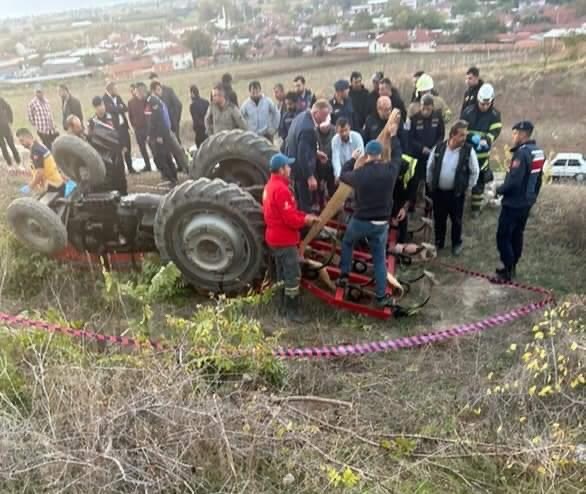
569,165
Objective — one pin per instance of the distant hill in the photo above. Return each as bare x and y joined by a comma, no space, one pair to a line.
18,8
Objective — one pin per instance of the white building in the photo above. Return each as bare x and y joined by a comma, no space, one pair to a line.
327,31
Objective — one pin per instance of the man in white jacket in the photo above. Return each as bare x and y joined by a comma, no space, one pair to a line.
260,113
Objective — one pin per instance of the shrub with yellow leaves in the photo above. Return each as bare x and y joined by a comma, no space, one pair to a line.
539,399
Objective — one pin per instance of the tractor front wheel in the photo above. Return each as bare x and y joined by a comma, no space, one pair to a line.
213,232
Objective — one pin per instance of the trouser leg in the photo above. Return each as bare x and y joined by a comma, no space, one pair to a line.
124,137
10,141
354,232
504,236
165,162
377,242
457,218
477,194
142,145
440,218
48,139
303,196
517,237
4,149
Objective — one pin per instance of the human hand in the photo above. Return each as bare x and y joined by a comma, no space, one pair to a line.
360,162
356,154
393,122
159,140
312,183
426,151
322,157
310,219
401,215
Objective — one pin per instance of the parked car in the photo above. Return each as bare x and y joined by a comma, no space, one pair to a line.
569,166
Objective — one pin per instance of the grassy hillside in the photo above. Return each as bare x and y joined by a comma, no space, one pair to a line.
497,412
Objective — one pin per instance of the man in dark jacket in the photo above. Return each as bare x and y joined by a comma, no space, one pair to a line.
452,169
425,132
301,145
359,96
136,107
484,122
159,132
231,95
116,107
305,98
173,104
198,110
6,137
519,191
387,89
69,104
342,104
103,136
287,116
473,83
376,122
372,179
374,93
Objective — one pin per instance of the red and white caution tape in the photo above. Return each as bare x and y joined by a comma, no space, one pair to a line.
327,351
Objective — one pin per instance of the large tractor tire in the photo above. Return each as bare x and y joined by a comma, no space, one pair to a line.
36,225
235,156
213,232
79,161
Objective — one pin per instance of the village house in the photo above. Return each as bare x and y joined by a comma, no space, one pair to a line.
392,41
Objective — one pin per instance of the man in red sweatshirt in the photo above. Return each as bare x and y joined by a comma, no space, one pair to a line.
283,222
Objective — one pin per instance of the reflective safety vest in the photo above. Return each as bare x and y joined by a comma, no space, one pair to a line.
487,125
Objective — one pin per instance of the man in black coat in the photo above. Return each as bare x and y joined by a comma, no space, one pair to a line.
360,99
473,83
118,109
198,109
69,104
173,104
6,137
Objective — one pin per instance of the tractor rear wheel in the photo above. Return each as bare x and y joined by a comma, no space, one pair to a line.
36,225
235,156
213,232
79,161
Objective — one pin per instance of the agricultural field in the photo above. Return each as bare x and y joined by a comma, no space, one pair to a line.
500,411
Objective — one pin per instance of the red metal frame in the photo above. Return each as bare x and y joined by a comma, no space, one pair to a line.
337,299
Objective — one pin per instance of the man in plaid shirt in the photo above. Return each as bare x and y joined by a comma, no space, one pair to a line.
41,118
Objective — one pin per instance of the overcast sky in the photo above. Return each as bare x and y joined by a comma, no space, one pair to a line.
14,8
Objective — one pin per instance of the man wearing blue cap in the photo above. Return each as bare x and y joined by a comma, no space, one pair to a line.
373,181
342,104
519,190
283,222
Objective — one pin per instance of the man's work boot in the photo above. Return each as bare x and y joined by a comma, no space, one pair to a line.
384,302
504,275
457,250
293,310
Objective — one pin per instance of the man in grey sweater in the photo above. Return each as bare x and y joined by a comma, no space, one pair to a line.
222,114
452,169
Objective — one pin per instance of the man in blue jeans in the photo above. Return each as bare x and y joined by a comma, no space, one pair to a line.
373,181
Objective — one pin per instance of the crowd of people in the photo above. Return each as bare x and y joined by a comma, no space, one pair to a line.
323,142
386,152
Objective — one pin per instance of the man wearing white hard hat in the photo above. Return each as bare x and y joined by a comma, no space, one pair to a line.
423,86
484,125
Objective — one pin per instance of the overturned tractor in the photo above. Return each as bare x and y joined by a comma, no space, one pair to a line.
212,230
211,226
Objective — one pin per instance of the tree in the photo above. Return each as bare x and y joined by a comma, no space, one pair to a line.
479,29
406,18
199,42
464,7
362,22
207,11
